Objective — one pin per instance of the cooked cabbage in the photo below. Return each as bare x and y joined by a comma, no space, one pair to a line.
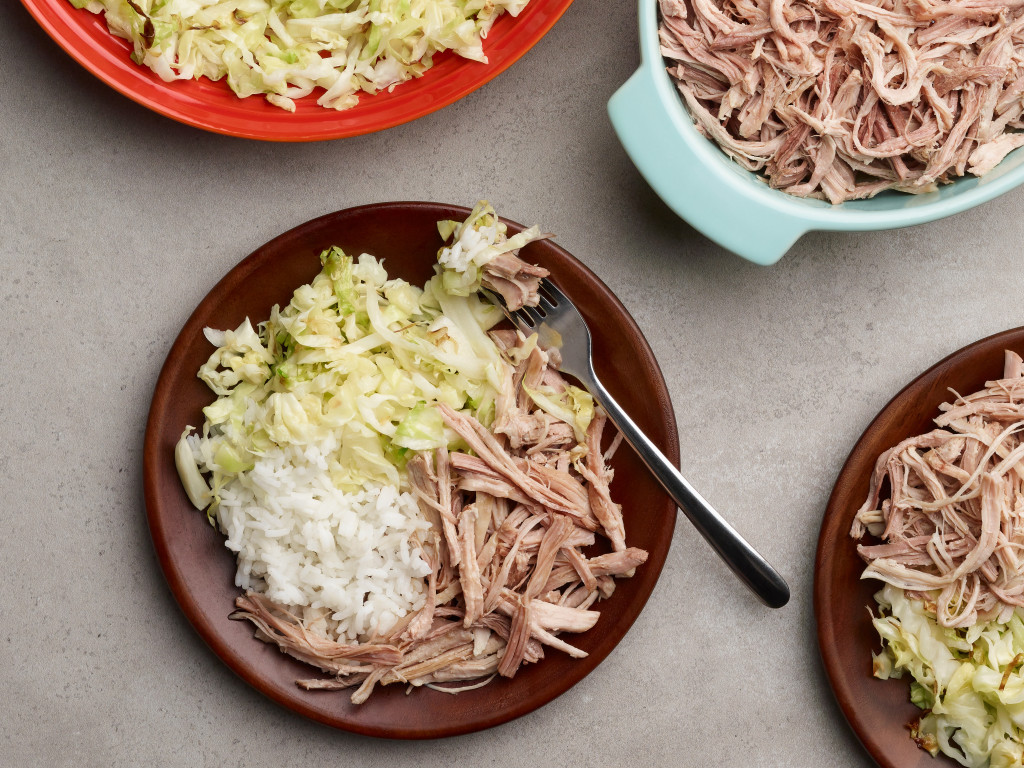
970,681
574,406
285,49
354,354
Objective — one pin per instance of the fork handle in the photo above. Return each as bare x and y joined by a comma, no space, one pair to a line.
745,561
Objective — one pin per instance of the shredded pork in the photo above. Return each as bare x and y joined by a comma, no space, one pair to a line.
842,99
510,523
952,527
515,280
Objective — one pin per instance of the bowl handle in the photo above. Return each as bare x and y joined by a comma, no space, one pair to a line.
723,205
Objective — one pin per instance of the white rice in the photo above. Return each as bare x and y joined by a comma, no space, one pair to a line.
302,542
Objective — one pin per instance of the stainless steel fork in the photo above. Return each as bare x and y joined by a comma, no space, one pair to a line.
558,323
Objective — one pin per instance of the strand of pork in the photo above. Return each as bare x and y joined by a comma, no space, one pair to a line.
952,528
515,280
842,99
509,525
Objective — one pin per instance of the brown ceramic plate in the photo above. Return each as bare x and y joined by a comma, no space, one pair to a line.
880,711
200,571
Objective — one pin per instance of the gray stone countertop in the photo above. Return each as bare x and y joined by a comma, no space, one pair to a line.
115,222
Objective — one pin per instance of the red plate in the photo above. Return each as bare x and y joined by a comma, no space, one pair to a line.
200,571
214,107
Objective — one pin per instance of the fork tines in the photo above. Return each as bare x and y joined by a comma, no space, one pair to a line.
551,301
556,296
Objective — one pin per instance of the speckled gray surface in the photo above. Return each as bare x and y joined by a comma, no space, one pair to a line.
114,222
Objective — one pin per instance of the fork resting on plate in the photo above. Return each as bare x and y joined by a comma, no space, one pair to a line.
559,324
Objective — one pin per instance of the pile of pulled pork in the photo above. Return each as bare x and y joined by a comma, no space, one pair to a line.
510,521
841,99
952,529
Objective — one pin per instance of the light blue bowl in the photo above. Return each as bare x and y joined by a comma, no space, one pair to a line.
735,207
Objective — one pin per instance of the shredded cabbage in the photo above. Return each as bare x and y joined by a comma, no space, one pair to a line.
354,354
285,49
575,406
970,681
